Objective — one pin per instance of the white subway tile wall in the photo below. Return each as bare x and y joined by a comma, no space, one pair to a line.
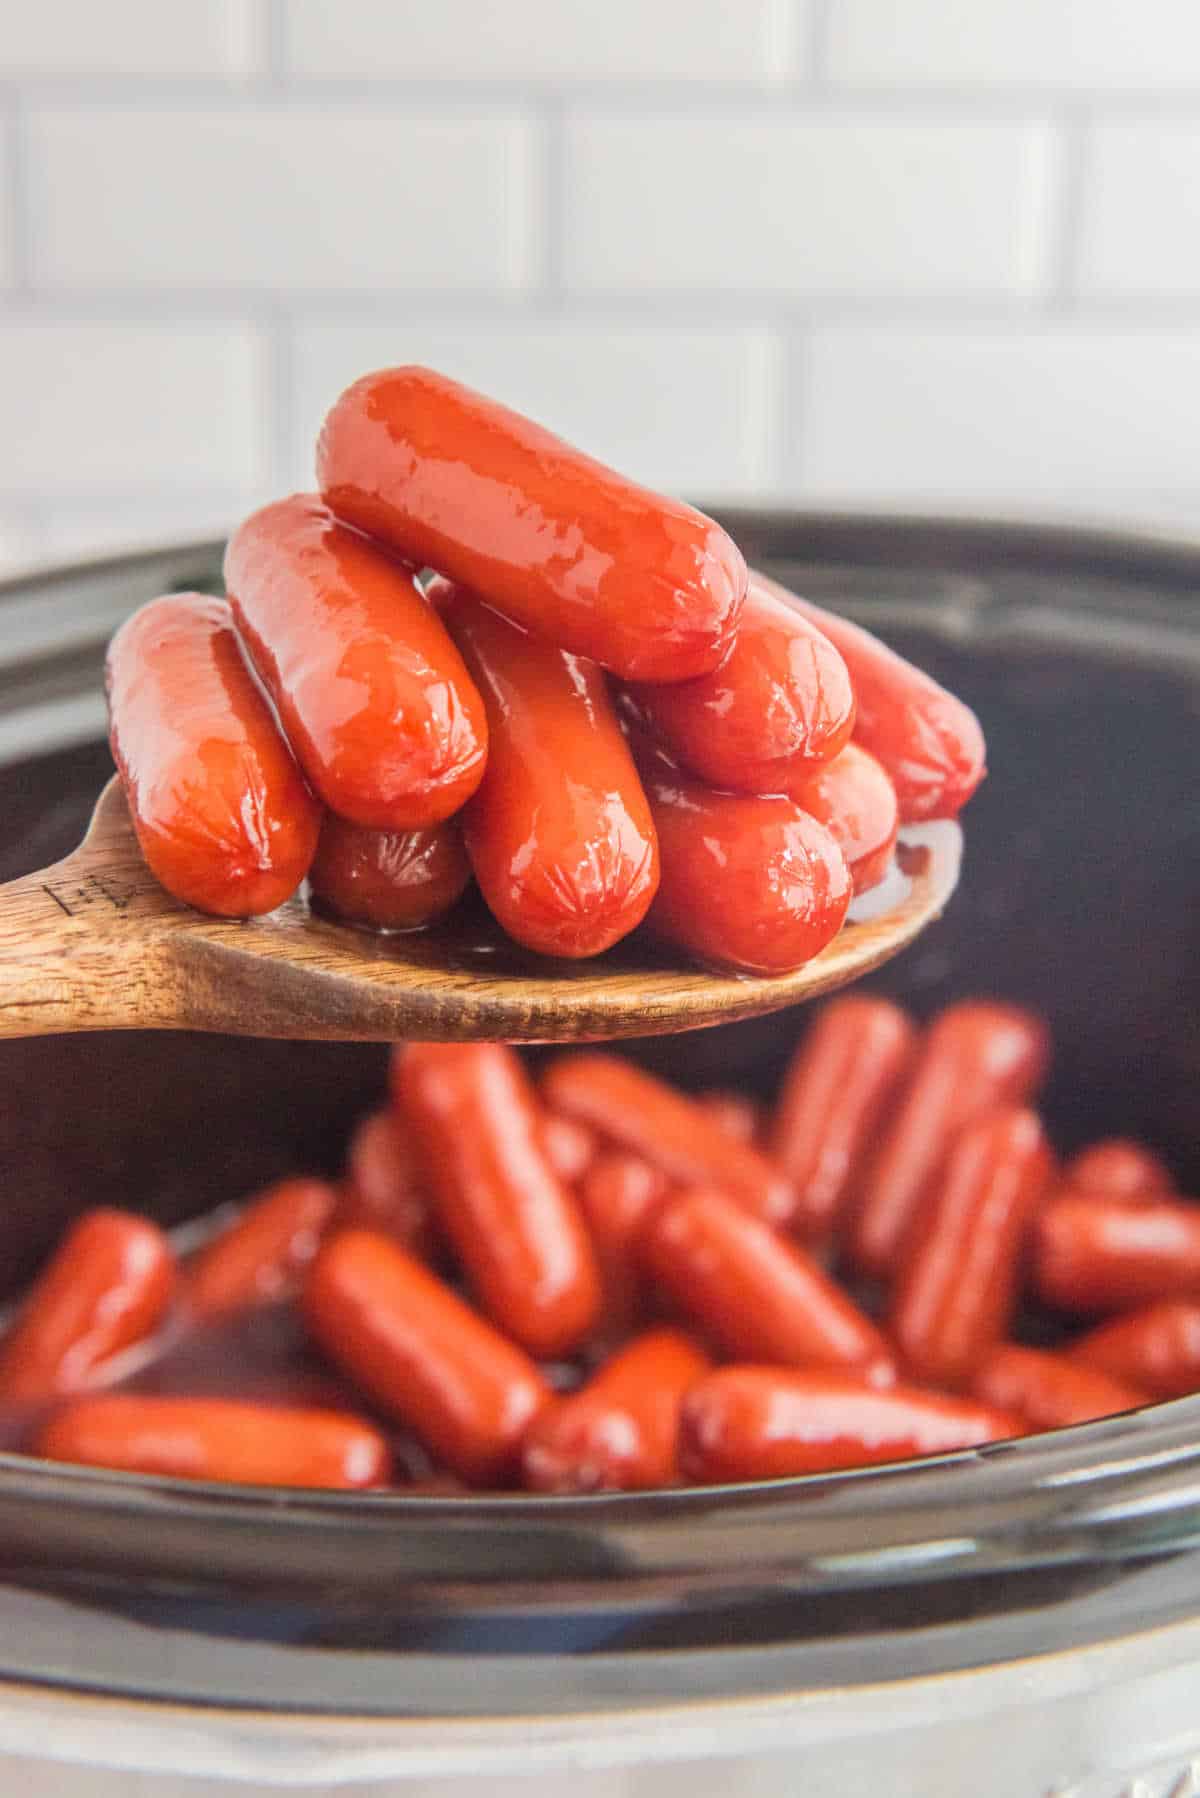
826,251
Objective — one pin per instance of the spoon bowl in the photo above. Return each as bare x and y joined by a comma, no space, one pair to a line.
95,943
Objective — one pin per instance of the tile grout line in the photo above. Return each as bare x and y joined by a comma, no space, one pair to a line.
20,222
550,194
1075,141
816,45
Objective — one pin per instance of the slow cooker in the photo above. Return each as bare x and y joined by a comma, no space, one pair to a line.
1012,1622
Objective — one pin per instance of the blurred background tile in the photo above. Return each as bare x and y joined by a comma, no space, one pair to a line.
803,250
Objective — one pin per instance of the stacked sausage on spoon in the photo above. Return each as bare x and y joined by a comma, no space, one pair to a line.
480,653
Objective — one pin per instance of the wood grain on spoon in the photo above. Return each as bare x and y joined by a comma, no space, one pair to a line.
94,943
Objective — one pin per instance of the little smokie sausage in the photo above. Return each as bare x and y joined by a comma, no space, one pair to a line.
566,547
423,1354
836,1093
383,1188
766,1423
516,1229
372,693
107,1286
388,879
958,1286
929,742
559,834
975,1056
568,1146
221,810
779,705
737,1114
634,1111
619,1432
753,884
1099,1254
616,1196
856,802
761,1297
1118,1169
219,1439
1156,1347
260,1257
1049,1391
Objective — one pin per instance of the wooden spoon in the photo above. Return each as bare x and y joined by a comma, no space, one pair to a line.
94,943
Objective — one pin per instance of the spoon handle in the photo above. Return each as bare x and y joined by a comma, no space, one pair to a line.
70,956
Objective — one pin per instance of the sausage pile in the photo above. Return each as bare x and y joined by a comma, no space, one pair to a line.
597,1282
476,653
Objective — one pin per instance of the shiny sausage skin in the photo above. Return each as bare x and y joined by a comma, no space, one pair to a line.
559,834
758,1295
836,1094
557,542
975,1055
956,1292
737,1114
260,1258
1049,1391
423,1354
928,741
779,705
371,692
1118,1169
619,1432
222,814
568,1146
388,879
382,1188
616,1196
218,1439
1098,1254
766,1423
1156,1347
856,802
518,1232
750,884
107,1286
632,1110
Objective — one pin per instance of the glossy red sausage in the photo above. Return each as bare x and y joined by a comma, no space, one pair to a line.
1118,1169
760,1296
619,1433
1049,1391
737,1114
856,802
265,1250
1156,1347
616,1196
372,693
929,742
388,879
221,811
423,1354
515,1227
106,1287
453,481
383,1188
957,1288
836,1094
559,834
569,1147
779,705
1099,1254
975,1056
218,1439
631,1109
750,884
766,1423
